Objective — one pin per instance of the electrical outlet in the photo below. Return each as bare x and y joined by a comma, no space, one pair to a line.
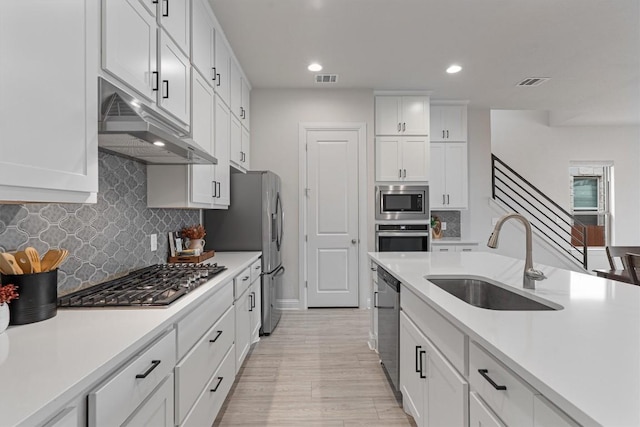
443,225
154,242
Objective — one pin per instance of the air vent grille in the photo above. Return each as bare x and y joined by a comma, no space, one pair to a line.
326,78
533,81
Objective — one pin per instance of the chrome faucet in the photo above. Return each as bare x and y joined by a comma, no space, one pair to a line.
530,273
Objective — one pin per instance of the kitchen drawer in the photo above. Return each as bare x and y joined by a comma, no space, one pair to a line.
193,372
210,401
256,269
480,415
116,399
447,338
546,414
199,320
241,282
157,411
514,405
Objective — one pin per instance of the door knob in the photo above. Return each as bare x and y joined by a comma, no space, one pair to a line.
354,241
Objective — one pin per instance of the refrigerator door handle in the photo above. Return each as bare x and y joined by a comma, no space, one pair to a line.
279,271
281,217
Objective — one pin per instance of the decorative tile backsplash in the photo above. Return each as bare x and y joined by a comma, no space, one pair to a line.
103,239
452,218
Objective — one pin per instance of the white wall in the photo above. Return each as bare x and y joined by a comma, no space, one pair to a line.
275,116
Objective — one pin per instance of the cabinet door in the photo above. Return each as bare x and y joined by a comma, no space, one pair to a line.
203,40
437,196
545,414
246,148
243,328
129,46
236,90
415,159
456,175
222,143
175,78
246,104
202,179
223,60
175,17
447,392
388,115
436,126
50,147
236,142
480,415
256,310
68,417
157,410
412,369
388,162
454,122
415,115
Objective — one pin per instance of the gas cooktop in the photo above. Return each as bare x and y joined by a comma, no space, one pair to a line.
154,286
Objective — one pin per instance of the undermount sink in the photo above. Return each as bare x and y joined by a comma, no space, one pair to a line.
483,294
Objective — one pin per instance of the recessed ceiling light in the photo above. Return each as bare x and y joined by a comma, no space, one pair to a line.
159,143
314,67
454,69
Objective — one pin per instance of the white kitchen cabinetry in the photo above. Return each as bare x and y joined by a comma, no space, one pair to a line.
240,145
68,417
402,158
373,331
448,183
480,415
223,69
437,247
402,115
546,414
434,393
203,39
203,184
125,391
448,123
256,300
222,198
175,18
243,315
239,95
157,410
175,80
55,160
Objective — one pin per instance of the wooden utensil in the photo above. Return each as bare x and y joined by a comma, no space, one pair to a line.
63,255
34,257
23,261
8,264
53,258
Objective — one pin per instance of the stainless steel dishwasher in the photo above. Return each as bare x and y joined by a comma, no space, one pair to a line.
388,304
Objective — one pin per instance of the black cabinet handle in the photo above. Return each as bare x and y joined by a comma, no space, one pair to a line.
399,127
214,73
245,278
154,365
447,199
213,390
251,301
155,78
165,83
420,357
219,189
166,13
404,127
214,195
447,134
218,333
442,134
218,78
375,299
154,1
399,173
485,374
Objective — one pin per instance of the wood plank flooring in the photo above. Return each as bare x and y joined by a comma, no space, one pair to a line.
315,370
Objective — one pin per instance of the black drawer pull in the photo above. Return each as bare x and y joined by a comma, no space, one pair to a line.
217,336
485,374
155,75
420,357
418,364
214,73
218,79
213,390
154,365
165,95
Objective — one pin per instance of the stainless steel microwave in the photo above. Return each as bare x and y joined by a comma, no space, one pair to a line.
402,202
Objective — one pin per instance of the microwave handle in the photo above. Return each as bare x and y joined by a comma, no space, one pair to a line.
402,234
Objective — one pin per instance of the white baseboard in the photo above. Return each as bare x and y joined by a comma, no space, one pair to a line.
289,304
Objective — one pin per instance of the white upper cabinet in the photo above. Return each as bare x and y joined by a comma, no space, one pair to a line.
402,115
202,127
222,193
239,95
203,40
401,159
175,80
48,101
174,17
223,68
246,104
449,123
240,145
448,184
129,45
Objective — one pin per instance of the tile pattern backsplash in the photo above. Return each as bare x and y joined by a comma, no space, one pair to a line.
104,239
452,218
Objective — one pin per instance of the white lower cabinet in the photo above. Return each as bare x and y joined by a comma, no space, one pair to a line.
156,411
546,414
480,415
434,393
68,417
436,247
243,316
255,310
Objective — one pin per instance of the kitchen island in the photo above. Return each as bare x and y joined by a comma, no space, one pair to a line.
49,365
584,358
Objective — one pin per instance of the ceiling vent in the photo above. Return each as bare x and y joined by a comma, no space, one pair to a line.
533,81
326,78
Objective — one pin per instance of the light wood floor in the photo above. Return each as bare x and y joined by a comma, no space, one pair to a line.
314,370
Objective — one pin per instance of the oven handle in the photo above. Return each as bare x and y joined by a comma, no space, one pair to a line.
401,234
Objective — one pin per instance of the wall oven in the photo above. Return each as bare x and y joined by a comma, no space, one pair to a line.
402,237
402,202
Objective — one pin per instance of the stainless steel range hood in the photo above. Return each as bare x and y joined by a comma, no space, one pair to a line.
128,128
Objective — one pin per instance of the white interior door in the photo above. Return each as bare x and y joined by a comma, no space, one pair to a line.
332,218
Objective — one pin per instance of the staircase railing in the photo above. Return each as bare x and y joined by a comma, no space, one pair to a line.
560,228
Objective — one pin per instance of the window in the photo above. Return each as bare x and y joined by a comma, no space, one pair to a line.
590,184
586,193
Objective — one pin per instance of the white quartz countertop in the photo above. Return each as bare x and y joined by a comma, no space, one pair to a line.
585,358
44,365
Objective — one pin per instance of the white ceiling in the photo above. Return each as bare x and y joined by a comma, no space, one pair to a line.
589,48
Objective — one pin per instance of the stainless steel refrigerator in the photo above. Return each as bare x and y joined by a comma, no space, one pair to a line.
253,222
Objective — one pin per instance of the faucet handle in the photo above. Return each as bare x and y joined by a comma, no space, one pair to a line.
534,274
